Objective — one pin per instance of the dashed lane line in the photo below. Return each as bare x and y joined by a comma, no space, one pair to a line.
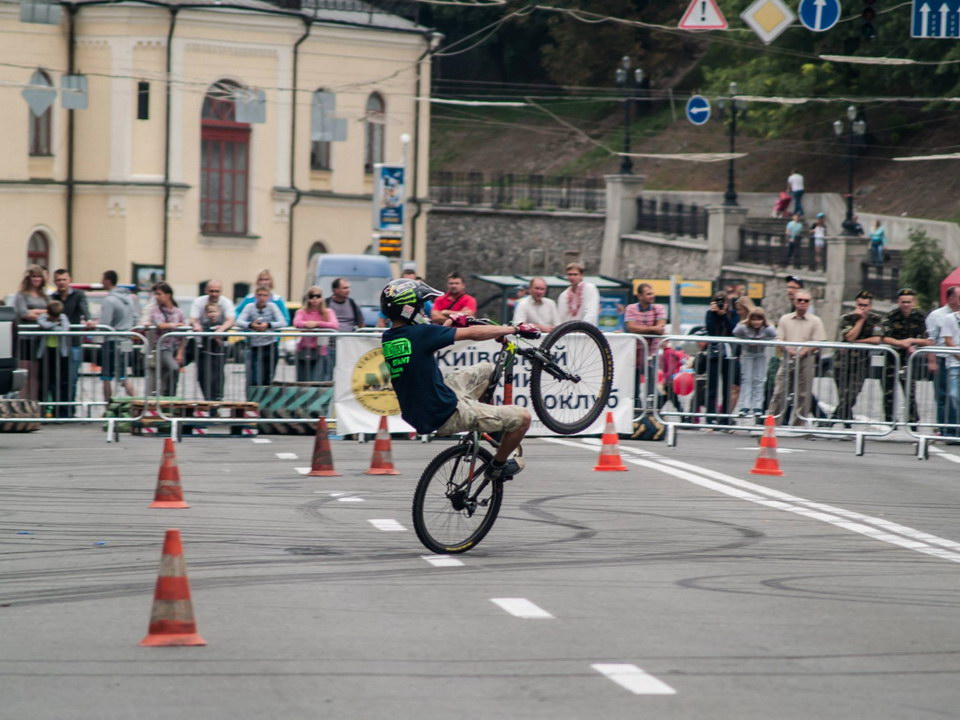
522,608
286,456
261,441
387,525
442,560
632,678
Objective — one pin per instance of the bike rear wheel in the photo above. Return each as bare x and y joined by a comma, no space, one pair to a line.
450,514
571,389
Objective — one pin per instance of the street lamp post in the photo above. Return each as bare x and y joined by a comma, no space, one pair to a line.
628,82
732,109
858,127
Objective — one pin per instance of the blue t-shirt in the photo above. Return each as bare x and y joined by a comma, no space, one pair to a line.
425,401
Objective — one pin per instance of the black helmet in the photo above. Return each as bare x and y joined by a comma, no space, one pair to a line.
403,299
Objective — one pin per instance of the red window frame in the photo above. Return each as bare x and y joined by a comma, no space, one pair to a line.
39,257
224,168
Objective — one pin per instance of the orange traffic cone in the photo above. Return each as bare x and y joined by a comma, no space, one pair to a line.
767,463
322,465
171,620
610,449
382,463
169,493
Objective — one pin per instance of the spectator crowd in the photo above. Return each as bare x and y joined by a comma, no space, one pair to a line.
746,376
64,316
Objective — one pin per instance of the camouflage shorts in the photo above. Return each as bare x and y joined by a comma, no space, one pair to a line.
471,414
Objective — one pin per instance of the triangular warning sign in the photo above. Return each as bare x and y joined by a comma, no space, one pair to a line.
703,15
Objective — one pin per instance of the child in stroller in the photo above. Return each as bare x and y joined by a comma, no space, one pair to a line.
780,207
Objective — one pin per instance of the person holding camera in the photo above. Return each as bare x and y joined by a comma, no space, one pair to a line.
720,321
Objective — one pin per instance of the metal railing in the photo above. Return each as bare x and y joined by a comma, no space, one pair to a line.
68,372
243,381
882,280
671,218
521,192
932,408
732,384
766,248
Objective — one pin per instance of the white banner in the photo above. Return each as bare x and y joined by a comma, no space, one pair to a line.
362,392
360,383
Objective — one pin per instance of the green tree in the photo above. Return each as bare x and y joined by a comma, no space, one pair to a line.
924,267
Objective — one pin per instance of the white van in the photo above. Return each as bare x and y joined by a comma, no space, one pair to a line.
367,275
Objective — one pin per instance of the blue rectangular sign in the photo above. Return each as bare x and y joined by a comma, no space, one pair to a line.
389,198
936,19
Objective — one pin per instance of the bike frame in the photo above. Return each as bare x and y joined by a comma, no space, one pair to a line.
503,369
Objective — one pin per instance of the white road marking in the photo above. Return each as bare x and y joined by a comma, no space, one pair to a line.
303,471
442,560
387,525
598,442
261,441
350,499
632,678
882,530
286,456
521,608
336,494
907,537
945,455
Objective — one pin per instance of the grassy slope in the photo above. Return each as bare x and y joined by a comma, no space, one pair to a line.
528,140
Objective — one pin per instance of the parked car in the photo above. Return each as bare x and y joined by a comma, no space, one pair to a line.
12,377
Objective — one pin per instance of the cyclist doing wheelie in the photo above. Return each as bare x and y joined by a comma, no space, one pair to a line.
447,405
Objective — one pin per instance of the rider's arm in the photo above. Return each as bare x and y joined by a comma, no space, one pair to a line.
484,332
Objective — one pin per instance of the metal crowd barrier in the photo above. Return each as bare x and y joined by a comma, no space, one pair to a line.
834,389
66,382
930,385
243,379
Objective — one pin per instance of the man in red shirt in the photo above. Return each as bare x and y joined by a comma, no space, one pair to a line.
455,300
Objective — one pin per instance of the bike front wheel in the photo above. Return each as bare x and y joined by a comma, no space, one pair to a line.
571,380
451,511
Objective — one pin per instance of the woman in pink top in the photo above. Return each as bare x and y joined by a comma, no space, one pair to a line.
314,315
165,316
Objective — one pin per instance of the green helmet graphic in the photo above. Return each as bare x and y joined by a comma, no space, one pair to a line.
403,299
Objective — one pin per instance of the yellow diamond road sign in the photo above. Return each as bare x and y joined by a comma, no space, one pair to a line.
768,18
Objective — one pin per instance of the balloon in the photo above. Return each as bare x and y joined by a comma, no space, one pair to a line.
683,383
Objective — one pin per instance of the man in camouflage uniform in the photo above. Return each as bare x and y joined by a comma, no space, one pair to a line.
852,367
904,328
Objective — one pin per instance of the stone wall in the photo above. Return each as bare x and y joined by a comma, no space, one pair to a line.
654,256
508,242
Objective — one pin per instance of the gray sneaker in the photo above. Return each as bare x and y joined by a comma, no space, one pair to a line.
510,468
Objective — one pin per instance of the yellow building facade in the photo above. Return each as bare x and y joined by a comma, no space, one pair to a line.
197,154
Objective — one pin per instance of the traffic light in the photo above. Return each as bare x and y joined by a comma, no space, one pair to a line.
869,16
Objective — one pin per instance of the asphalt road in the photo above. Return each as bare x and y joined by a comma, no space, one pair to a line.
682,588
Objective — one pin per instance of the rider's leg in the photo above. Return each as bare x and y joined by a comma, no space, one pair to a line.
511,440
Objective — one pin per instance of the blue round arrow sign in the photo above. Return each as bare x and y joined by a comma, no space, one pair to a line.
819,15
698,110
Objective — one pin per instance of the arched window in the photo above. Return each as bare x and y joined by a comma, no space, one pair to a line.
41,125
318,248
224,163
38,250
321,127
375,127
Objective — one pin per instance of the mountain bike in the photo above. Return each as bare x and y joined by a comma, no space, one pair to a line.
571,374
